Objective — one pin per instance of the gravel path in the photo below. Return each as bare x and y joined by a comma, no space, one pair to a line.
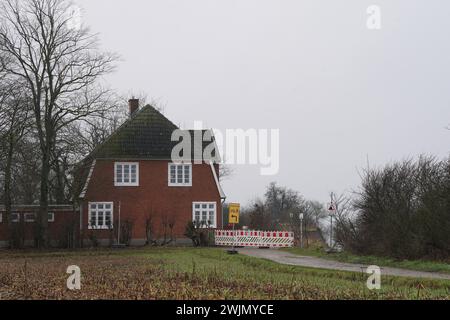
313,262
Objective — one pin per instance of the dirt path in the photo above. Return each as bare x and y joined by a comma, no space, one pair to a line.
313,262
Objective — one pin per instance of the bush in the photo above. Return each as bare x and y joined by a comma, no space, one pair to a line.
200,237
403,211
126,232
95,243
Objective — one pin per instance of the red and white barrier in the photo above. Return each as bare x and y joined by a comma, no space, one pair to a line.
255,239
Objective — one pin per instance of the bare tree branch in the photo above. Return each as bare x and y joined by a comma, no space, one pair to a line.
61,68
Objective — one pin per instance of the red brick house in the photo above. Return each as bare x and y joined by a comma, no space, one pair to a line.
132,189
129,187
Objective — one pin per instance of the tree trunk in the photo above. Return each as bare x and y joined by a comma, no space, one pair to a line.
7,190
42,225
59,192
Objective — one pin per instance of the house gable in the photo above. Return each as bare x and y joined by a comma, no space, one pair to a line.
147,135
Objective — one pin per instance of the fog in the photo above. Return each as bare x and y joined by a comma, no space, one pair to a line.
343,97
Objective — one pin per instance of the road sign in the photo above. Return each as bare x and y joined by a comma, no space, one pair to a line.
332,208
234,211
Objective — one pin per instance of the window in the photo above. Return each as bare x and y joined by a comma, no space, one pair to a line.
101,215
126,174
30,217
15,217
180,175
204,214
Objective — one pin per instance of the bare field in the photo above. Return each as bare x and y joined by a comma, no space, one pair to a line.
188,273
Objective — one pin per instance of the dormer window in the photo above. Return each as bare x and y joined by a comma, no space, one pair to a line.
126,174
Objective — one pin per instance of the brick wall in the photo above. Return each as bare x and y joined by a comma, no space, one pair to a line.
65,220
152,199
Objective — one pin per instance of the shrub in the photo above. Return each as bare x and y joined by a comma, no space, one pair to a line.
126,232
402,211
201,237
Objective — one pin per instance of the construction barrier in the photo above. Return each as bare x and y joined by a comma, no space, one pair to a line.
255,239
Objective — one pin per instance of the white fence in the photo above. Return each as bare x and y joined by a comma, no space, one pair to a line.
255,239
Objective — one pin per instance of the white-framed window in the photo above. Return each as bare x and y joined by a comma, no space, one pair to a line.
180,175
204,214
126,174
15,217
51,217
101,215
29,217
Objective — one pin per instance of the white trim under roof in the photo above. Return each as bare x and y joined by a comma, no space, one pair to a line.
83,193
216,179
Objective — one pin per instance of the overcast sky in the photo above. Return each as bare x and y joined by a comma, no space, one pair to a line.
341,94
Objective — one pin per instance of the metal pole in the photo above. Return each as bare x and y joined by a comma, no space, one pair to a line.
222,213
331,232
118,232
301,233
331,224
234,238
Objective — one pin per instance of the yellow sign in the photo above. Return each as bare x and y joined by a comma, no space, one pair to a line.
234,210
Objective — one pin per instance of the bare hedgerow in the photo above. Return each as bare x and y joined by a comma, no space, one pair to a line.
402,210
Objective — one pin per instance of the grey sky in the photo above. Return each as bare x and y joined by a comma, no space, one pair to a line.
339,93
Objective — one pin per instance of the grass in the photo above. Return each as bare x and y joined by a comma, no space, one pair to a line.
419,265
191,273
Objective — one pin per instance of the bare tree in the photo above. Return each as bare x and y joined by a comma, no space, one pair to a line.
225,172
96,130
14,123
281,202
344,229
315,212
60,66
258,216
400,210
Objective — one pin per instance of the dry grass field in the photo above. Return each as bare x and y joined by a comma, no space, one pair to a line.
189,273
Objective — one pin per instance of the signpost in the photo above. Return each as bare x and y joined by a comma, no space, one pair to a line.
233,218
332,209
234,212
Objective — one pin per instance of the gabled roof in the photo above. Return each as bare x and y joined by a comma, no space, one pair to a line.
146,135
